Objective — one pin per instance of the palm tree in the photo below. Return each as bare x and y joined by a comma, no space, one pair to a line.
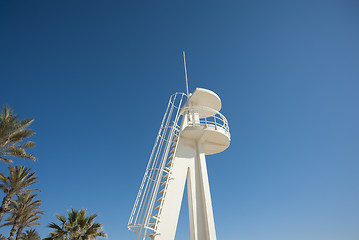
24,212
12,133
30,235
26,221
76,227
19,179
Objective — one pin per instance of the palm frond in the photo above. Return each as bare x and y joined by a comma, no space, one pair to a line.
16,183
54,226
12,134
6,160
30,235
28,144
76,226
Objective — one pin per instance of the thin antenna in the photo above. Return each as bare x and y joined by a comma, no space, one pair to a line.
185,71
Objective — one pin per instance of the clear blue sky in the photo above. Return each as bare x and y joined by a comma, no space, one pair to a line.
96,77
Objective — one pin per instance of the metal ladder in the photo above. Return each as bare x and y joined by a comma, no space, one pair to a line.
145,216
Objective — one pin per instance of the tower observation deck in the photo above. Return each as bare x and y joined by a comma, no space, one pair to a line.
191,128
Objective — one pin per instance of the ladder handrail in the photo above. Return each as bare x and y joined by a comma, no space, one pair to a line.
149,189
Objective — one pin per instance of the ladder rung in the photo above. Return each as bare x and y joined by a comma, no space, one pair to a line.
169,162
172,150
162,191
165,176
155,216
152,235
170,157
163,183
158,207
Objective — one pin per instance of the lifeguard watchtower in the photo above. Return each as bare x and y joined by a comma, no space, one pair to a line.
192,128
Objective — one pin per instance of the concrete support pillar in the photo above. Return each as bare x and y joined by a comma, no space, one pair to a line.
190,164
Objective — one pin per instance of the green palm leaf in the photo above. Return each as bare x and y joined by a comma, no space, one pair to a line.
24,213
77,226
30,235
12,134
19,179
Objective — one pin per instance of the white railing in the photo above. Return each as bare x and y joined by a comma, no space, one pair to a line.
148,193
206,118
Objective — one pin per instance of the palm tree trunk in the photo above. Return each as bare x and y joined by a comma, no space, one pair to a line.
14,228
18,234
4,205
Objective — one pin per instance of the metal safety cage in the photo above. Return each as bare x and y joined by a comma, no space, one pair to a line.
143,219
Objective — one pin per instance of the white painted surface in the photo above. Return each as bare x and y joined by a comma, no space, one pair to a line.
196,139
179,157
189,164
206,98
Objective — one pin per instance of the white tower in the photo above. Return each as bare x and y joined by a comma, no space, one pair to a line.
191,128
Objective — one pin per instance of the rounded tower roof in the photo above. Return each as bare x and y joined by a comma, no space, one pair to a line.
206,98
